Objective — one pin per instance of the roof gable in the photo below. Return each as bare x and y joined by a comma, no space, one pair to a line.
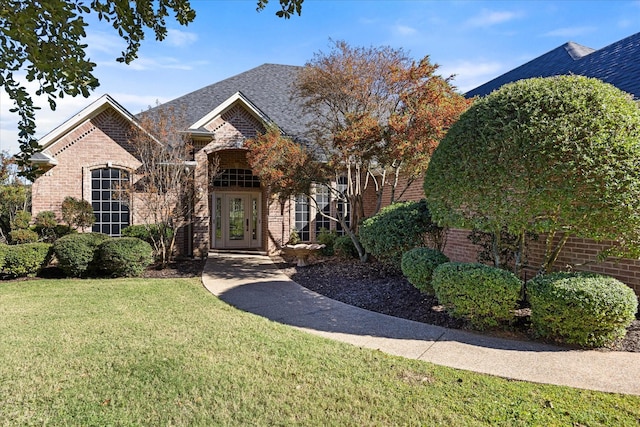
233,100
266,90
617,64
87,113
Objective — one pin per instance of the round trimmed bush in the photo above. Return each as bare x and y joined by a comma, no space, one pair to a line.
125,256
25,259
343,247
485,296
587,309
76,253
396,229
23,235
418,265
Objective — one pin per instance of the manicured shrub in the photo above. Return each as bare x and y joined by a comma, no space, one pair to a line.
418,265
562,144
581,308
396,229
76,253
26,259
328,239
23,235
485,296
125,256
344,247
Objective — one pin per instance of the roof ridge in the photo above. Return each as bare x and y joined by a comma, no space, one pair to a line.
576,50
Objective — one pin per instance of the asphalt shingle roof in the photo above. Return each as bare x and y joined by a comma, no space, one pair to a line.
617,64
267,86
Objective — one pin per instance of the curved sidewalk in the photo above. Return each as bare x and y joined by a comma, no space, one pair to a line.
254,284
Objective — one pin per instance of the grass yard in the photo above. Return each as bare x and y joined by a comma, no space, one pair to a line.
166,352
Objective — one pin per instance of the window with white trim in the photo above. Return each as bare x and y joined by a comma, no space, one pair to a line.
110,210
323,202
302,217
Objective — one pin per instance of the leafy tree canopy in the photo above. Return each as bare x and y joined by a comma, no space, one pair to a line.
43,42
373,112
558,155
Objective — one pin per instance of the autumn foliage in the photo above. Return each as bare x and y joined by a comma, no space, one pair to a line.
279,163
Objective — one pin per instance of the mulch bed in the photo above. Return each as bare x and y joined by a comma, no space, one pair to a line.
373,287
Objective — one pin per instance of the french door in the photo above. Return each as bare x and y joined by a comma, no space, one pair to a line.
236,220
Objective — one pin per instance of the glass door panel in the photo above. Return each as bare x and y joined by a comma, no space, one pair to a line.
236,218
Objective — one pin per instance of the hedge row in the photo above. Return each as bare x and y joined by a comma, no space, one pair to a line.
23,260
587,309
81,255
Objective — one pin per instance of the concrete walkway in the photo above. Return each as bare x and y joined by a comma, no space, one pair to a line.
254,284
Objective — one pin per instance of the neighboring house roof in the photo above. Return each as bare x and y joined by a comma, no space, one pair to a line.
617,64
266,89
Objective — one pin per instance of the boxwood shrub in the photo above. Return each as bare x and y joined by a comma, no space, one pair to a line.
25,259
396,229
125,256
418,265
485,296
587,309
76,253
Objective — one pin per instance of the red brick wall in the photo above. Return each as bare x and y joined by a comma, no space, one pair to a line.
578,254
94,144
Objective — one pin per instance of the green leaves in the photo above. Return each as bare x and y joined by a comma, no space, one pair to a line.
43,42
542,155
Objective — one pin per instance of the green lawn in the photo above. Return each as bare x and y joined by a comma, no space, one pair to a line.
166,352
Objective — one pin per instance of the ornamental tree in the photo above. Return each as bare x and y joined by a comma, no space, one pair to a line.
375,114
163,185
558,155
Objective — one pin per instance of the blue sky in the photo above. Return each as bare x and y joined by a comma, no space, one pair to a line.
475,40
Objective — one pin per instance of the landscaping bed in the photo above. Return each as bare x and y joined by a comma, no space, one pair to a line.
373,287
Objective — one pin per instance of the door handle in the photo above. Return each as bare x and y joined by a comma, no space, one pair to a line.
247,220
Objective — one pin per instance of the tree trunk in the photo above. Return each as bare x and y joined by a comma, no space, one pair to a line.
552,253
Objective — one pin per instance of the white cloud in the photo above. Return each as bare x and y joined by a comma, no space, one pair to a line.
488,18
100,42
404,30
471,74
144,63
570,32
179,38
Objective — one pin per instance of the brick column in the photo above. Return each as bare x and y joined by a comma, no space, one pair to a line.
201,218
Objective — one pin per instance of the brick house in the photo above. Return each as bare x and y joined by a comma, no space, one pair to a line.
89,153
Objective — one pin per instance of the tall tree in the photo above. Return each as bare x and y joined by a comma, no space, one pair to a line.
559,156
376,113
163,186
43,42
14,194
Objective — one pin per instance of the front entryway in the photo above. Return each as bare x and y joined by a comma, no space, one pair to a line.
236,220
